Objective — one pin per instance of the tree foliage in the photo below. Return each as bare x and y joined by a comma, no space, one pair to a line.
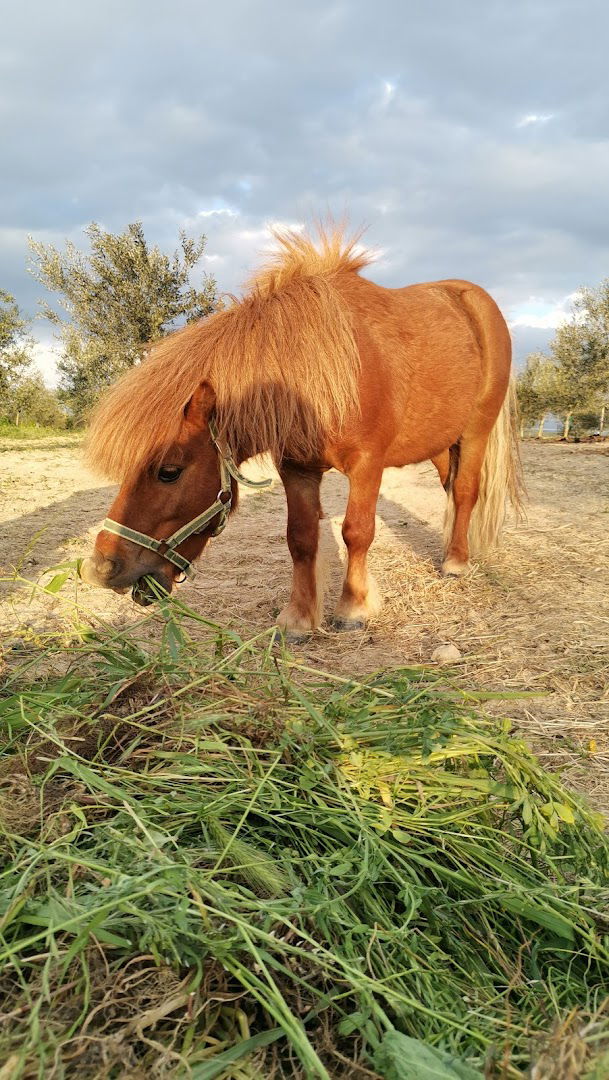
14,347
573,381
592,313
578,379
118,298
23,396
531,389
31,402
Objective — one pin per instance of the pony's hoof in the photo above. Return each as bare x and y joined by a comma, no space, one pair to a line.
297,637
295,627
454,568
338,622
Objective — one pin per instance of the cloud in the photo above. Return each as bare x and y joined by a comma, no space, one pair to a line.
388,92
534,118
45,356
535,321
470,140
541,314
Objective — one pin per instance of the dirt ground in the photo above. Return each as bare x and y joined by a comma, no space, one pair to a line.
534,617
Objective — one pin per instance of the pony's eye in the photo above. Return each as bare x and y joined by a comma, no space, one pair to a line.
168,474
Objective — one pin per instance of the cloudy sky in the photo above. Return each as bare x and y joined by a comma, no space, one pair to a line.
471,138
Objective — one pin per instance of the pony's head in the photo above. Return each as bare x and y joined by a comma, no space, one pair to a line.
284,366
162,495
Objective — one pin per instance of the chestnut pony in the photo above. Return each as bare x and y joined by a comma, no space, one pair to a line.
323,369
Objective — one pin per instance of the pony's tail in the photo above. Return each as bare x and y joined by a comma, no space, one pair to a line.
501,481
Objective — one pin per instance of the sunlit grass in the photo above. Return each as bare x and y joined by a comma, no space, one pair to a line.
218,859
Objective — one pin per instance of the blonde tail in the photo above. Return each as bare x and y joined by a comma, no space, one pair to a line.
501,481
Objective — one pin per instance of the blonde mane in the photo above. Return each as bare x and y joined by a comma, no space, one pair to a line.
282,361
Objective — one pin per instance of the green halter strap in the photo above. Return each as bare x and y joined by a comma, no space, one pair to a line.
220,509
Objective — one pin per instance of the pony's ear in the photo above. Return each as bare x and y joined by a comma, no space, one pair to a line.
197,410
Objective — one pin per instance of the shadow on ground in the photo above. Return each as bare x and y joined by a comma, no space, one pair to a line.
32,542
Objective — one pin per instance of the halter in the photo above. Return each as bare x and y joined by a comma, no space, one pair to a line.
221,508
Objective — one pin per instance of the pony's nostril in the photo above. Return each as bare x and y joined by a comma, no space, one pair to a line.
107,568
97,570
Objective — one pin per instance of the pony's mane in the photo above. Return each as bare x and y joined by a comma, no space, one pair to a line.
282,361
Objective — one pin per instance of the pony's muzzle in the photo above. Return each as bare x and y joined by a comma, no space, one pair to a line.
100,571
116,574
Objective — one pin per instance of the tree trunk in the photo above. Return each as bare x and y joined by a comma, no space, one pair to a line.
17,418
541,425
565,433
602,423
522,429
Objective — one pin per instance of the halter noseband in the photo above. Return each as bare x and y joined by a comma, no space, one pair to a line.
221,508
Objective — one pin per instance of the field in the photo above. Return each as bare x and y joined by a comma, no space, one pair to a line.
534,617
288,764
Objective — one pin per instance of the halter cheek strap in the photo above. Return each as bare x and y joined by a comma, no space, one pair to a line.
220,509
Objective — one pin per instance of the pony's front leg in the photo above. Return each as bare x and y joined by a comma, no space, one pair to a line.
301,615
359,600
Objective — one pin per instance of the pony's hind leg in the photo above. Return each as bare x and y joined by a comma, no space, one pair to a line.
463,490
301,614
359,600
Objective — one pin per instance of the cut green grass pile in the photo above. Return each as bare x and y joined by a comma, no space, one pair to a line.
220,863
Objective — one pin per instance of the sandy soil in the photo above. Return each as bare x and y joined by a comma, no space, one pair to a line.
534,617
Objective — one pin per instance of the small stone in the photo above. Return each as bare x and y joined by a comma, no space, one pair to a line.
445,654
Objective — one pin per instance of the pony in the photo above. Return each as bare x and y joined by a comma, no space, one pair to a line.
323,369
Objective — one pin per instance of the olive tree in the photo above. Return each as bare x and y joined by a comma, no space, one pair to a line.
117,297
